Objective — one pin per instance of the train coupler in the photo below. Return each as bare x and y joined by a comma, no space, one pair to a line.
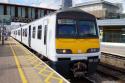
79,69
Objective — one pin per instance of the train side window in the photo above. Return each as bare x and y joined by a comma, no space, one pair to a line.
45,34
16,32
22,32
25,32
19,32
33,32
39,32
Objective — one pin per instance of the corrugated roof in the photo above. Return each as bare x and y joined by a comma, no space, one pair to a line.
95,2
111,22
32,6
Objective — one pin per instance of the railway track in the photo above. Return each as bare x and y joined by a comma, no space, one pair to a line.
81,80
107,72
113,60
112,65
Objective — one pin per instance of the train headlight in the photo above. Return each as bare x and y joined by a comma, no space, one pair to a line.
63,51
93,50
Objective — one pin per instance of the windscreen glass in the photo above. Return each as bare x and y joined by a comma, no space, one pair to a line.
66,28
72,28
87,29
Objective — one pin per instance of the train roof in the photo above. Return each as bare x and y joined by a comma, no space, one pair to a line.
66,10
73,9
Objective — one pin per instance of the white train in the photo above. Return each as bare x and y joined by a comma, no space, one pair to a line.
68,38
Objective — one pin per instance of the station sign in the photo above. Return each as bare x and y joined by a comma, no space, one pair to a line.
5,19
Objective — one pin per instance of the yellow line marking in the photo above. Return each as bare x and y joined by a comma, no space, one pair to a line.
31,58
34,61
60,80
48,71
51,77
37,65
42,69
38,68
48,77
21,73
44,75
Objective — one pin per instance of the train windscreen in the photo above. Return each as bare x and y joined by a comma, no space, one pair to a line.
76,28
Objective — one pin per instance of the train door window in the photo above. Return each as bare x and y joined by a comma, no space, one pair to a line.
16,32
39,32
19,32
45,34
33,32
22,32
25,32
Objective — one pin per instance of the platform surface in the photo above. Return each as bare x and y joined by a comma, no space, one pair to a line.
113,48
19,65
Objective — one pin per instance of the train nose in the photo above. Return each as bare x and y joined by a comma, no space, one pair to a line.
79,69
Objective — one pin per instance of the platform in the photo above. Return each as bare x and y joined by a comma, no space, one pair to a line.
19,65
113,54
114,48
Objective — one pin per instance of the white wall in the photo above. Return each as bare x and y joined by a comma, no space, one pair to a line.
92,7
4,1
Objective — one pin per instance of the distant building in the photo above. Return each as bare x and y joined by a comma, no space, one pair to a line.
66,4
112,30
23,13
4,1
122,15
101,9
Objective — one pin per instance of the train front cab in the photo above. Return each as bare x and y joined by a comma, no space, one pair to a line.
77,43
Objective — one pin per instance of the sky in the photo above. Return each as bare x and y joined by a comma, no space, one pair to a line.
54,3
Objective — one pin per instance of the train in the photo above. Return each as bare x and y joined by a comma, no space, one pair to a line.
68,38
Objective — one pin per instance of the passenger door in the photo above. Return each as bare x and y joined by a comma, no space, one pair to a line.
21,34
29,40
45,35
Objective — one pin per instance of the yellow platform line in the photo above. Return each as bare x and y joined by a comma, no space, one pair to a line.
43,69
37,65
47,79
34,61
32,58
53,77
21,73
29,58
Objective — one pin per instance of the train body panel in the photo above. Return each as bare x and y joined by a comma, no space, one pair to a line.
77,46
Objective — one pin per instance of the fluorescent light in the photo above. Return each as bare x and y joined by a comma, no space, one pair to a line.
123,34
